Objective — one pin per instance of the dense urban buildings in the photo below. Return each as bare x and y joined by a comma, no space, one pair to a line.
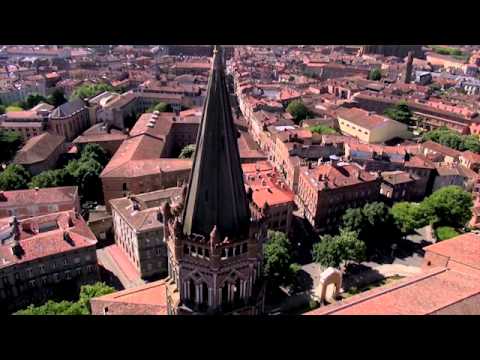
241,179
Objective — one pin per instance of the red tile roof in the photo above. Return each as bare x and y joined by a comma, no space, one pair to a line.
419,295
37,245
38,148
464,249
365,119
43,196
149,299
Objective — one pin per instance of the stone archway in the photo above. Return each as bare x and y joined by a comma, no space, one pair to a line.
331,277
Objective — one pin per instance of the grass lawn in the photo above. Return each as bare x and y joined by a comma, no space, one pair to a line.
13,108
354,290
322,129
445,232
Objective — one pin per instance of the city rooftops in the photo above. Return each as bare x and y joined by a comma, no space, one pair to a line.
38,197
48,235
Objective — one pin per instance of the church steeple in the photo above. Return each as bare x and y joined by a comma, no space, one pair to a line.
216,193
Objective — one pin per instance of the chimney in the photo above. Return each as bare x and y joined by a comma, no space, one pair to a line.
37,188
2,196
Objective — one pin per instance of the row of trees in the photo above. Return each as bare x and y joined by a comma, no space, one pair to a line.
79,307
90,90
448,206
56,99
453,139
375,226
83,172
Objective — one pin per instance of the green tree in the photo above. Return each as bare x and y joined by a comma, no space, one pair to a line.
88,292
409,216
333,251
57,98
2,109
353,220
188,152
33,100
95,152
375,74
86,175
80,307
278,266
450,206
90,90
298,110
10,143
49,178
472,143
161,107
14,177
400,112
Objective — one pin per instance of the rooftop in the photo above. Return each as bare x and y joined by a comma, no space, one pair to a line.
38,148
363,118
39,197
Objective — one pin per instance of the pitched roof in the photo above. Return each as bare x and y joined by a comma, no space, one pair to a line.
68,108
40,244
38,148
216,193
363,118
39,197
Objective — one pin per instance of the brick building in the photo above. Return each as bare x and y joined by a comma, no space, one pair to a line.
35,202
327,190
271,199
103,135
40,153
43,256
70,119
138,230
145,161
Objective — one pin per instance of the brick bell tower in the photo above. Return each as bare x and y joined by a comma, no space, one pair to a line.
215,250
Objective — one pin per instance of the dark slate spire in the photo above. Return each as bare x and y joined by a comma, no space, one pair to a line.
216,193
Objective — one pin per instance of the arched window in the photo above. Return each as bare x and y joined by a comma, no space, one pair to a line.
193,292
205,294
225,293
236,293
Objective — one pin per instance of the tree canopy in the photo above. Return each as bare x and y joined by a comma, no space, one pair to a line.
33,100
450,206
453,139
90,90
57,98
161,107
49,178
375,74
333,251
80,307
10,143
298,110
278,267
400,112
188,152
14,177
373,224
2,109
